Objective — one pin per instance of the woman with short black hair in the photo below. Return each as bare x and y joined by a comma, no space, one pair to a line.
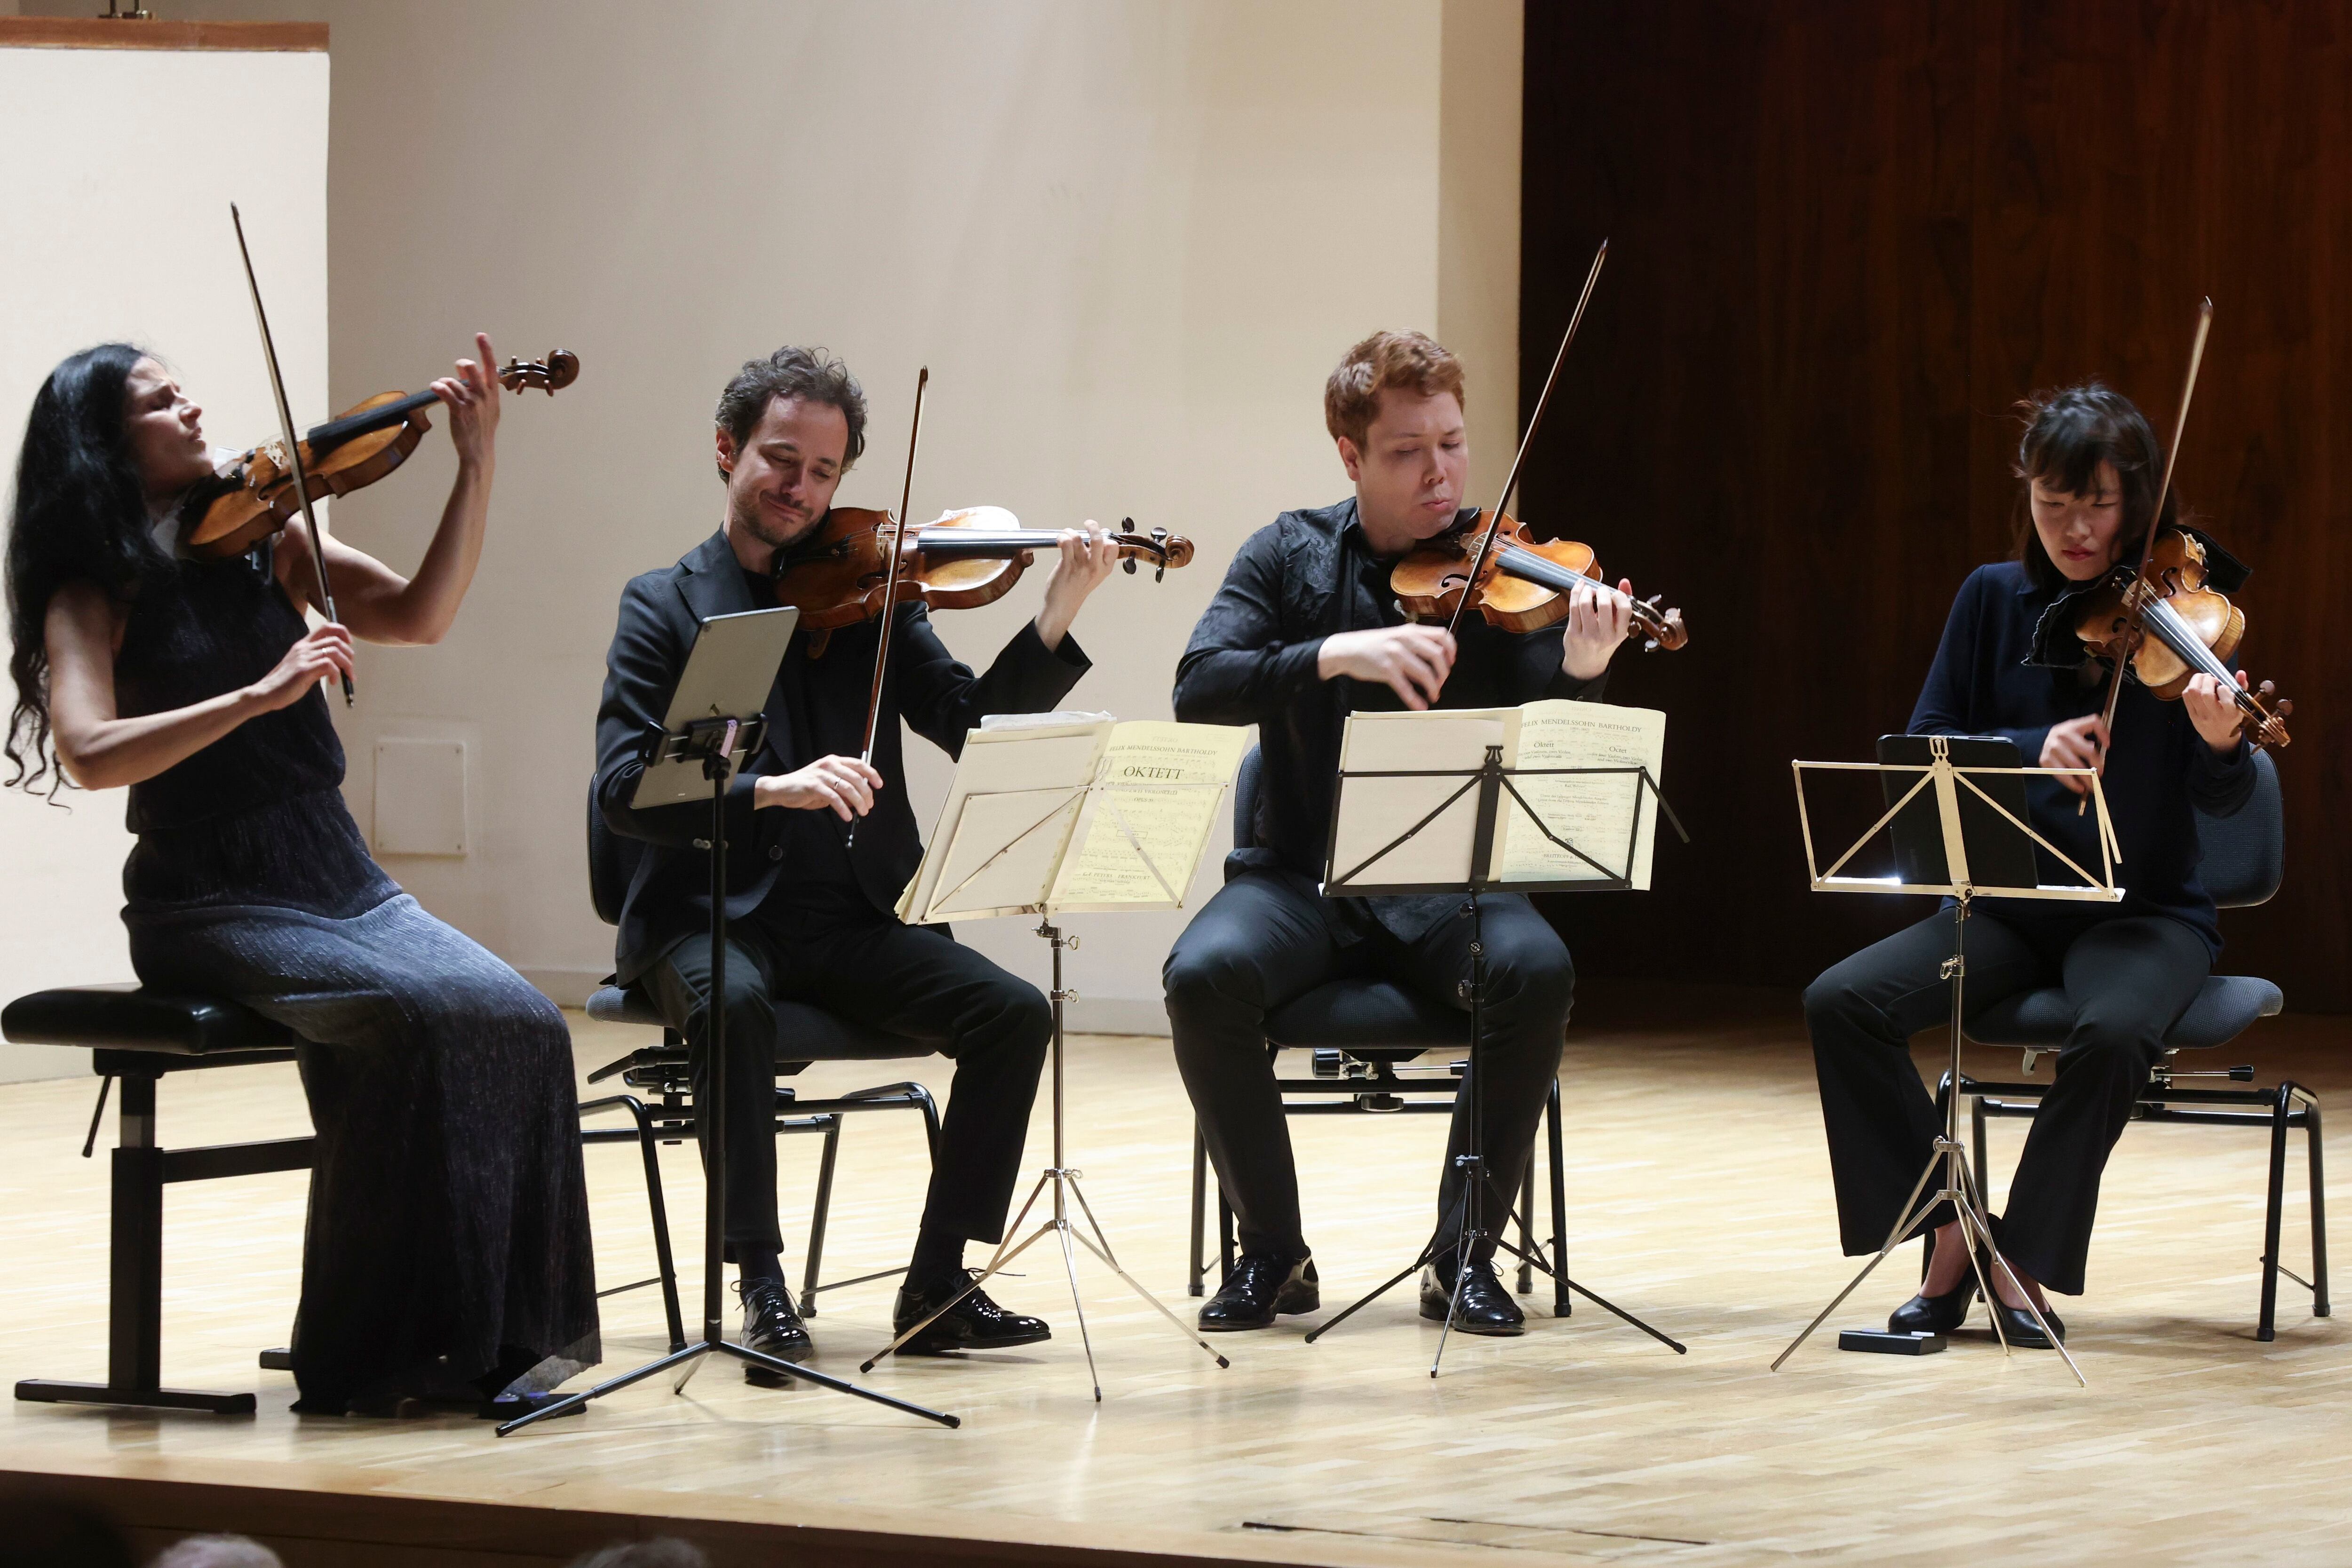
2010,664
447,1256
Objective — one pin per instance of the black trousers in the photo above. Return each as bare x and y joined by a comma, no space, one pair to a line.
907,980
1265,940
2130,980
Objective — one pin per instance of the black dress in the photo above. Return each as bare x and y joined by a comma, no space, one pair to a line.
447,1239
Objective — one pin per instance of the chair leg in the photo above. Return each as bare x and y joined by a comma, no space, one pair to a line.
650,1147
1527,1225
1198,1268
1561,1305
824,1209
1224,1233
930,1120
2320,1306
2266,1328
135,1354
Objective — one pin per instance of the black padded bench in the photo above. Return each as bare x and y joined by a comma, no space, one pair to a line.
138,1035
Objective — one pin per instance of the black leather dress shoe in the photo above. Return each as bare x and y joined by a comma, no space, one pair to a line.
772,1326
974,1324
1262,1286
1486,1307
1925,1314
2017,1325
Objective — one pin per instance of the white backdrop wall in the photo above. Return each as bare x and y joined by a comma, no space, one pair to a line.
1128,239
120,167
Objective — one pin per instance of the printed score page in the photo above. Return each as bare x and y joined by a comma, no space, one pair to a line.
1601,813
1007,821
1155,801
1372,813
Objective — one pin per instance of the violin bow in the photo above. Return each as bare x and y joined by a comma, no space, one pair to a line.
286,432
890,576
1535,423
2148,546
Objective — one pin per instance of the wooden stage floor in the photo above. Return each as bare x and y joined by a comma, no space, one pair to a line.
1699,1196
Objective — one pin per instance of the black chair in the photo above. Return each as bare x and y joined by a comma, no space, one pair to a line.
806,1034
1359,1031
2245,858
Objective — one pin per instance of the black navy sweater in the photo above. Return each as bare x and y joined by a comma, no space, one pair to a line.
2160,771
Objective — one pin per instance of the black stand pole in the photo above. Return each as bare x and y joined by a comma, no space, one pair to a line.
1470,1202
714,747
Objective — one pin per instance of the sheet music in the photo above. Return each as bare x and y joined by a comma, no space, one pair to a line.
1002,851
1598,813
1372,813
1074,811
1013,761
1157,793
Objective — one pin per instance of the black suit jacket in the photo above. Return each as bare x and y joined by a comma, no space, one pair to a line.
823,703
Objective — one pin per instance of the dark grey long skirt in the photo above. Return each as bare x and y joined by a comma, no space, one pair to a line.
448,1222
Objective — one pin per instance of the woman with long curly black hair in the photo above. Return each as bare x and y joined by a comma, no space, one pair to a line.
447,1253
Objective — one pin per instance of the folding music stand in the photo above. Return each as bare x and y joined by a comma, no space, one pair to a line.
1968,815
1031,849
1484,788
714,723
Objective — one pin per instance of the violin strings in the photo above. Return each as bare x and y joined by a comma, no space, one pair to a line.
1524,562
2176,633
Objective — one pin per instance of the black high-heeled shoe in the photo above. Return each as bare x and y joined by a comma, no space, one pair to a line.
1925,1314
2017,1325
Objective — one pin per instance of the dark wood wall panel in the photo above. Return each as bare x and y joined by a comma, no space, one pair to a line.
1846,239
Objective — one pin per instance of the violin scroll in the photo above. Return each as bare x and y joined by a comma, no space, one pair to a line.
1665,628
558,370
2264,722
1165,549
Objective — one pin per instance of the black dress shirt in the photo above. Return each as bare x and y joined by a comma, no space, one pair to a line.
2160,771
1309,576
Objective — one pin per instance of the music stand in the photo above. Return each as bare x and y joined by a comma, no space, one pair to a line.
1489,782
714,723
1031,847
1965,819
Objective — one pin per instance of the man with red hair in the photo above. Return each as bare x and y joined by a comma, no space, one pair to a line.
1303,631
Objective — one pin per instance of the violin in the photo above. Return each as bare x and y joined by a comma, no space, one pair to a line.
1518,583
1521,586
2170,625
253,499
843,573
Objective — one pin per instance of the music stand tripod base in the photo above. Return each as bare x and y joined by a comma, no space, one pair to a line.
1063,1180
1467,1213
